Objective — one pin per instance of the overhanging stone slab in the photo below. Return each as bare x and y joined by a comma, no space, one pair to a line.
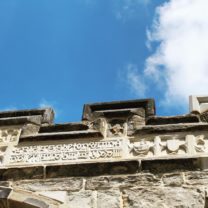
61,136
116,108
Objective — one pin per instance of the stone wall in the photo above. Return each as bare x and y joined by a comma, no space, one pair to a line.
121,155
165,186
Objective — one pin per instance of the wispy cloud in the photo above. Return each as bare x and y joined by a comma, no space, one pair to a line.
178,65
131,78
127,9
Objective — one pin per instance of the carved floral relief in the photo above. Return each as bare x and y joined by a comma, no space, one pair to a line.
9,136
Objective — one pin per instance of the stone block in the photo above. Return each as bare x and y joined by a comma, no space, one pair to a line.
169,165
165,197
109,182
196,178
173,179
82,199
64,184
92,169
109,199
22,173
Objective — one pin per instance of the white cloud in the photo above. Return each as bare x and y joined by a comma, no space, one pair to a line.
134,81
180,61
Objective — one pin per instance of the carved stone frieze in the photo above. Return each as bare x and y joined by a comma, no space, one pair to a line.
9,136
108,148
195,144
66,152
169,145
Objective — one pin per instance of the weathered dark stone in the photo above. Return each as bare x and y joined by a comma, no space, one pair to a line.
162,120
61,136
18,116
19,173
92,169
4,192
111,182
169,165
204,117
63,127
123,113
115,108
21,120
170,128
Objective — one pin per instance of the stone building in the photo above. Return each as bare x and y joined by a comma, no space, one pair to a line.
121,155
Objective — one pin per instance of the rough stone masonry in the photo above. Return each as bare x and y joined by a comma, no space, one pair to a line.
121,155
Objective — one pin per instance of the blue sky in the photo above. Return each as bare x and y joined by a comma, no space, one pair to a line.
70,52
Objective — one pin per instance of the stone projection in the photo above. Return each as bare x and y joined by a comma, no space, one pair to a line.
120,155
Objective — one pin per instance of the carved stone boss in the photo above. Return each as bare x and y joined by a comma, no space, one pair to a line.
66,152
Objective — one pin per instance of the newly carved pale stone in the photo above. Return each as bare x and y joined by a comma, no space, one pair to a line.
198,103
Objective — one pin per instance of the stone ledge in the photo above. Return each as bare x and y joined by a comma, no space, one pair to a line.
89,109
63,127
92,169
21,120
20,173
61,135
163,120
98,169
154,129
45,115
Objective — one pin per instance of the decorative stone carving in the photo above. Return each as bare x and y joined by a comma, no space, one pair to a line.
66,152
173,145
195,144
116,130
9,136
158,146
141,148
204,116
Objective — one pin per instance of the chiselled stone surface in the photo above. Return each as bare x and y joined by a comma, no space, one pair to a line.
165,197
173,179
107,182
64,184
80,199
109,199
